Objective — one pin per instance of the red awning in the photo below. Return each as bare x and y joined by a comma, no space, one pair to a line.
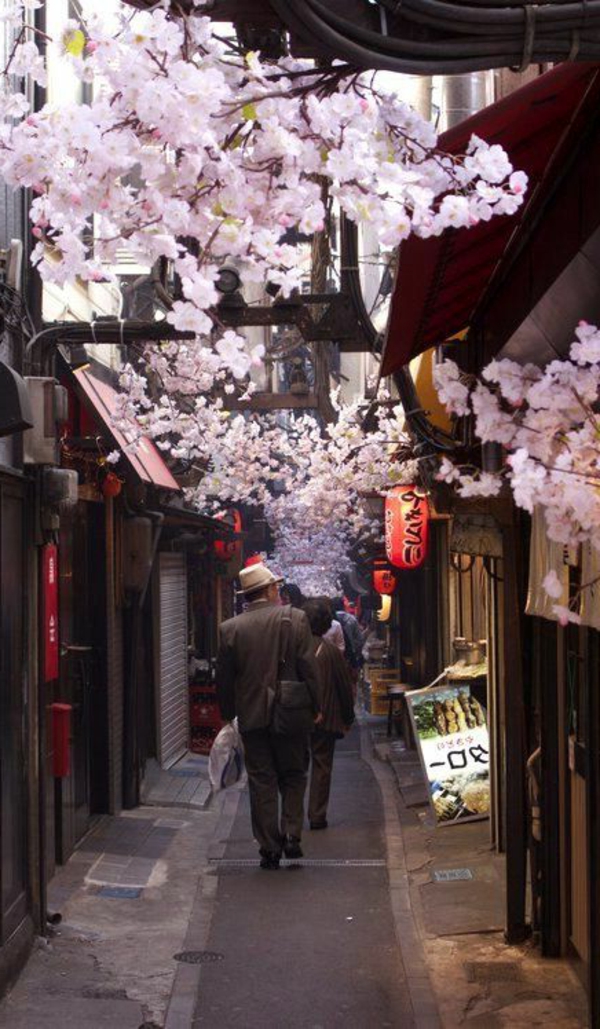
441,280
143,456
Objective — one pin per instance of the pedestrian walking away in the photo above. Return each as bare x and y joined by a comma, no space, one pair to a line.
264,654
337,703
335,633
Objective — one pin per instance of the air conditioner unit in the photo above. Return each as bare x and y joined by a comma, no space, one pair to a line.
49,405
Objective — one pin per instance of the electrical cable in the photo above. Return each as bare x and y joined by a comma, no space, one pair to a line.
506,27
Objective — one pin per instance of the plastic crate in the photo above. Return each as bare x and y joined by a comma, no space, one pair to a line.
202,738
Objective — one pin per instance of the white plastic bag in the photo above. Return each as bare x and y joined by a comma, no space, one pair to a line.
226,758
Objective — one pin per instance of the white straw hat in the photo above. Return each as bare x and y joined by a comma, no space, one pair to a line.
255,578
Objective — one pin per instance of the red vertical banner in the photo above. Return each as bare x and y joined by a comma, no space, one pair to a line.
50,611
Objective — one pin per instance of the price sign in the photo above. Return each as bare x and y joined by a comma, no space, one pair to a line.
450,728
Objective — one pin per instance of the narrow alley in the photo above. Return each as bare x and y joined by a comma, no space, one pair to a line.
167,921
316,940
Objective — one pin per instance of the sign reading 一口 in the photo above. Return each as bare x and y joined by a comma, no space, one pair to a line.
451,731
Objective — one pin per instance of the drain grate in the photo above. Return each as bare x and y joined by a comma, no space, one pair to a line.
448,875
492,971
308,862
198,957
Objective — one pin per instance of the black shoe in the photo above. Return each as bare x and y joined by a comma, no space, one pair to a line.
292,848
269,859
319,825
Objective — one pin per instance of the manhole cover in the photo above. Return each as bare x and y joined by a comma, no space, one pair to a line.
198,957
448,875
492,971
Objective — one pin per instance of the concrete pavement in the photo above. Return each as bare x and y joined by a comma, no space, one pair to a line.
168,923
126,897
479,981
314,944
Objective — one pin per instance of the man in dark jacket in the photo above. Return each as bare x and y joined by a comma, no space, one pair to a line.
337,707
248,667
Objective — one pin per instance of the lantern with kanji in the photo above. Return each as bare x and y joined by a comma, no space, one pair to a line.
384,580
406,527
226,549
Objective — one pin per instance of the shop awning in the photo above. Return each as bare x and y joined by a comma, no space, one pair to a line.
142,455
441,281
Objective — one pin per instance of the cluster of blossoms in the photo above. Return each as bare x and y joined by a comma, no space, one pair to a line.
189,153
324,508
547,421
313,484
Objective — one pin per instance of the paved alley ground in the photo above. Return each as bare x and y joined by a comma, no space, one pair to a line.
313,944
168,922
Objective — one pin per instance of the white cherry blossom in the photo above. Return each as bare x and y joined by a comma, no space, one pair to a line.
188,154
546,420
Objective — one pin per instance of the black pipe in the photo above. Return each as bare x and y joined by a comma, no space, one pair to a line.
552,37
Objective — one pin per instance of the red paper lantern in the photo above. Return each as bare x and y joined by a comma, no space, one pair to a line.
226,549
352,607
406,527
254,559
112,485
384,580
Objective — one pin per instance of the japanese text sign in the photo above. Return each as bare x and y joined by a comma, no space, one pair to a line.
452,737
50,611
406,527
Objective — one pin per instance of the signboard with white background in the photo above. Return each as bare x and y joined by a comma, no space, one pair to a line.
450,727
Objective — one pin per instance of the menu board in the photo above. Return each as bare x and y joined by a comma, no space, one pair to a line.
450,727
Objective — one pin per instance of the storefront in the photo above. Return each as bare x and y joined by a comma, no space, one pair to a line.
18,867
104,571
516,288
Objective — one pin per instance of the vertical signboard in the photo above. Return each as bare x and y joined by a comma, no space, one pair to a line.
50,611
450,728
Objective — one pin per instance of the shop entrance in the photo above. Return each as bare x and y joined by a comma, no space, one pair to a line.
13,711
83,672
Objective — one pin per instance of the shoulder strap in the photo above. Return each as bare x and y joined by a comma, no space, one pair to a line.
284,638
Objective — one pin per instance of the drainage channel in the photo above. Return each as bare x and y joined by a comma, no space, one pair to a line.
305,862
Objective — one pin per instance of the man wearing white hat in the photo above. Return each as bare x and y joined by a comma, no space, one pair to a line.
250,663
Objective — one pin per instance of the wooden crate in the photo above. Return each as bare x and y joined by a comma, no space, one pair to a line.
379,705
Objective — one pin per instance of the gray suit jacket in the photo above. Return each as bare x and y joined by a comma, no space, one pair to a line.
248,662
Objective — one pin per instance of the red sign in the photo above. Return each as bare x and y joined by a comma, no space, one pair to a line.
384,581
406,527
50,610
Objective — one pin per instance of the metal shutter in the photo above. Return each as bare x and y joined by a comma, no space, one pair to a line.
171,659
